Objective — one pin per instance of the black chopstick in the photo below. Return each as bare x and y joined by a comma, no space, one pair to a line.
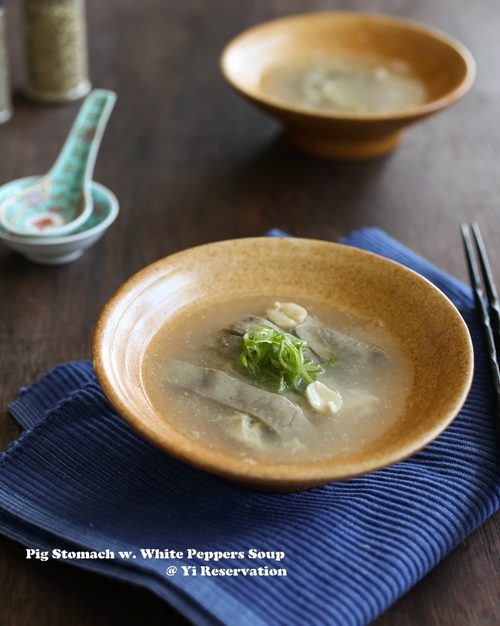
491,292
490,316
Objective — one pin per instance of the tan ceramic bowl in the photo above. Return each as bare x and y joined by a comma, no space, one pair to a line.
445,66
429,328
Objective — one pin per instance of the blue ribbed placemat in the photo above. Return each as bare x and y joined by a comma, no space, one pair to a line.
80,479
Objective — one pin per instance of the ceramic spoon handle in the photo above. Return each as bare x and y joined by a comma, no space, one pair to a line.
75,163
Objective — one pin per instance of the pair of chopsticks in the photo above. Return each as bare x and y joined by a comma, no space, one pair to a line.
490,315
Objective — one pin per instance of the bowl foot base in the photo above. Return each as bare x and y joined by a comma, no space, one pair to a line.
352,150
54,260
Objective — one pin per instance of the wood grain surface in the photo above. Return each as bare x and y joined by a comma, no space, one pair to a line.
192,163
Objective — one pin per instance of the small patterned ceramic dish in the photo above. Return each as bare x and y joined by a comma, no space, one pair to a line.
64,249
57,203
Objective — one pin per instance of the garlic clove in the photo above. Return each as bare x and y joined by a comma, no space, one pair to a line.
323,399
287,314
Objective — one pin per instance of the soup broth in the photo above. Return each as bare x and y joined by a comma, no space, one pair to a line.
371,375
346,85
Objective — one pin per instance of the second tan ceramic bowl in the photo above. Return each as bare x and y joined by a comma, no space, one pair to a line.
445,66
426,324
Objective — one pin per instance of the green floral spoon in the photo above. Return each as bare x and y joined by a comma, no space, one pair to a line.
60,201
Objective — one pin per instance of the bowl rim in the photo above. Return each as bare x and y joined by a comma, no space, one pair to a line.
265,473
65,239
416,111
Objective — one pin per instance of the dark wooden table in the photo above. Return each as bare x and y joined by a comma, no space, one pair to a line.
192,163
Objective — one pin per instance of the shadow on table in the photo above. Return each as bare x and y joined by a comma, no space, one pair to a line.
279,186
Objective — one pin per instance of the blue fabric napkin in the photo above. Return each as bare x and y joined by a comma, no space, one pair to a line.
79,479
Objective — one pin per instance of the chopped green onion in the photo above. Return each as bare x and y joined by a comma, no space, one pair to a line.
275,358
331,360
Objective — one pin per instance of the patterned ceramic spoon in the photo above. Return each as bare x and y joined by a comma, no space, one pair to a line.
57,203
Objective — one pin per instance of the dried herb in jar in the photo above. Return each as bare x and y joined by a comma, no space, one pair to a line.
56,50
5,102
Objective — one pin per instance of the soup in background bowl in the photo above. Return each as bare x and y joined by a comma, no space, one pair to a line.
345,84
390,345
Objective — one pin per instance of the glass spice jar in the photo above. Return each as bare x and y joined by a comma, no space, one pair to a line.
56,50
5,102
